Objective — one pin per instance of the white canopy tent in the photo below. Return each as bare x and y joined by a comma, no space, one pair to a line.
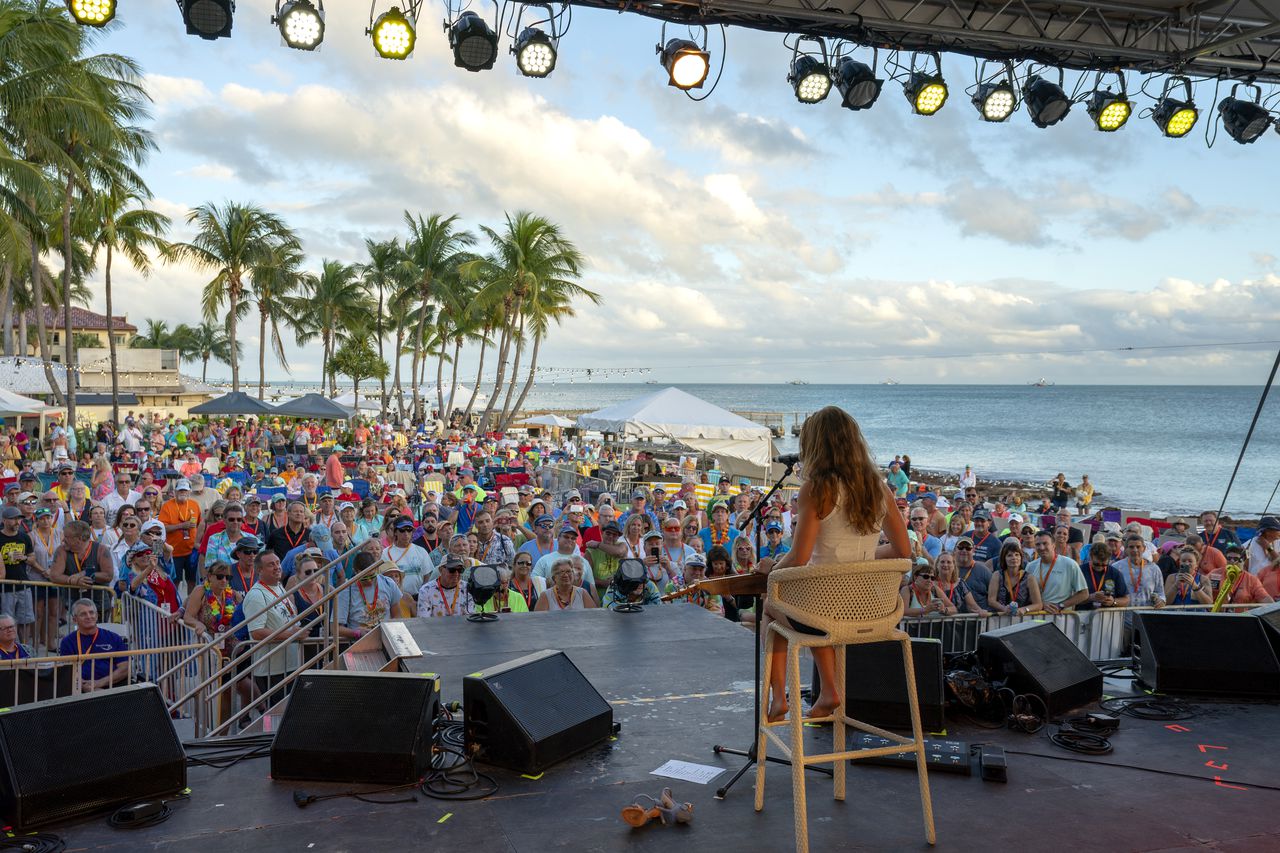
547,421
14,405
367,403
679,416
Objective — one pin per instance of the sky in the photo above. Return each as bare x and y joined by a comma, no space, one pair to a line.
744,238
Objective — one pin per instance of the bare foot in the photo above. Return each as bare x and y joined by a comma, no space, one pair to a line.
777,709
825,706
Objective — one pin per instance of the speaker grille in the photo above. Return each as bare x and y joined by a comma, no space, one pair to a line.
78,755
356,726
547,696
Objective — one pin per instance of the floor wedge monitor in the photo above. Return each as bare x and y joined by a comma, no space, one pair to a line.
533,712
1037,658
1212,654
876,684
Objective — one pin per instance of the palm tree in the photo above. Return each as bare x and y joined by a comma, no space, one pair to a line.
273,284
530,253
230,241
435,249
207,341
379,274
328,305
130,231
551,303
157,336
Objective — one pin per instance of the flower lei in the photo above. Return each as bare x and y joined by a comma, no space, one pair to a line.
221,612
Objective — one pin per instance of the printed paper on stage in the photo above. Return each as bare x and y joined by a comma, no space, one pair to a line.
687,771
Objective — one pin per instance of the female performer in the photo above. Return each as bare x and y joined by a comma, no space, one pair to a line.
844,504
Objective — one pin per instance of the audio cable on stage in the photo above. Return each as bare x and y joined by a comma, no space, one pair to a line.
453,776
41,842
1160,708
145,813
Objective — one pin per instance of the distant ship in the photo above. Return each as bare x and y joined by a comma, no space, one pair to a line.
1041,383
797,382
891,382
651,382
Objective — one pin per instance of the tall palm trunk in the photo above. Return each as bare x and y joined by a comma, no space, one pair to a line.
395,385
6,308
475,389
453,377
42,332
262,351
439,382
511,386
413,374
504,350
382,411
111,344
69,356
204,369
233,297
533,369
22,333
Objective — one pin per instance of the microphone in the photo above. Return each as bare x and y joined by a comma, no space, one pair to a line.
788,459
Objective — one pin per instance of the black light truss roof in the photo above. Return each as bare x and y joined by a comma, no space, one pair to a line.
1239,39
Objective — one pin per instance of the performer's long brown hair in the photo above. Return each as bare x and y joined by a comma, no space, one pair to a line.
839,468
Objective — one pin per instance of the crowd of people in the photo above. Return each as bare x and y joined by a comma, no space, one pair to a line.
228,526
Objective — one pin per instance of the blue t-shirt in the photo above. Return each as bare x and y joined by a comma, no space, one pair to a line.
705,535
773,551
533,549
1110,581
103,641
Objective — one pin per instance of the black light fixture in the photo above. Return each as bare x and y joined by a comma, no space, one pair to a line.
209,19
483,585
92,13
535,52
1108,109
1175,118
857,82
927,93
301,23
996,99
394,33
1046,102
1245,121
631,576
474,43
686,62
810,75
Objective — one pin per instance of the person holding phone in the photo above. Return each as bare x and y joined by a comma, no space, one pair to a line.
922,596
1187,585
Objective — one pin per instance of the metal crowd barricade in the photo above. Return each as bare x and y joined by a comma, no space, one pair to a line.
25,680
565,477
43,609
1104,634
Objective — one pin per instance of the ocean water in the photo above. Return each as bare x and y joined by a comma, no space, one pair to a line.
1163,448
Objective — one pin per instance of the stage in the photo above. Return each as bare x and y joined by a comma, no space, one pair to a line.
680,681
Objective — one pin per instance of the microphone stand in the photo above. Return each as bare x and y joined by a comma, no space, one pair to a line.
750,752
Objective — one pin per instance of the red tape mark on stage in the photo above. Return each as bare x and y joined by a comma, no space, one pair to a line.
1177,728
1205,747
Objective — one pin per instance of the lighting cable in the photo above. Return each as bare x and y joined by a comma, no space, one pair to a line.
1256,415
453,775
1157,708
1179,774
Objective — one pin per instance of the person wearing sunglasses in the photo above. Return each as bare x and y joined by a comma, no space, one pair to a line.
921,597
123,495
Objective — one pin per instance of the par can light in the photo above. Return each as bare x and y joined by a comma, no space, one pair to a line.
810,78
209,19
301,24
1174,117
1046,102
857,84
995,101
535,53
926,93
394,34
474,43
1109,111
687,64
92,13
1244,121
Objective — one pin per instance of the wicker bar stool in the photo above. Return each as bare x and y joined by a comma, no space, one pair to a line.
851,603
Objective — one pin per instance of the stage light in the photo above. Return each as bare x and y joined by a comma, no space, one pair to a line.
535,53
394,34
483,585
810,78
301,24
1109,110
474,43
927,93
1244,121
857,84
1175,118
687,64
995,101
92,13
630,576
209,19
1046,102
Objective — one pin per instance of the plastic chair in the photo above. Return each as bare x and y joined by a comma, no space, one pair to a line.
854,602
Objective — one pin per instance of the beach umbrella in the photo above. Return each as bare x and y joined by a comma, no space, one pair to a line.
547,421
237,403
314,406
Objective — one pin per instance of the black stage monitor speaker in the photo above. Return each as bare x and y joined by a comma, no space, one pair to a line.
1270,616
1037,658
82,754
876,684
357,727
532,712
1220,654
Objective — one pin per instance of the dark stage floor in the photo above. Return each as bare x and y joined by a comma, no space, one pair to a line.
680,681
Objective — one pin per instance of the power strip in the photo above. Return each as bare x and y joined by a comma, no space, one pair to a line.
948,756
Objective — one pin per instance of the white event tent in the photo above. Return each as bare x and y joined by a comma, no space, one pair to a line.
679,416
